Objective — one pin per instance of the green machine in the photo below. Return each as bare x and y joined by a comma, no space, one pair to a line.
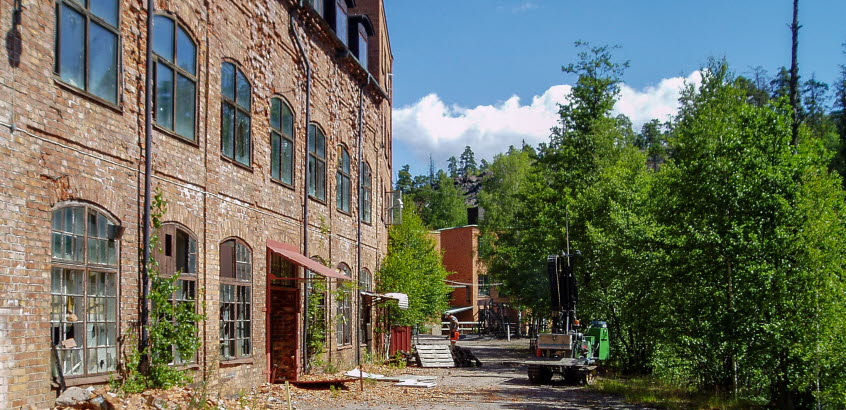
568,350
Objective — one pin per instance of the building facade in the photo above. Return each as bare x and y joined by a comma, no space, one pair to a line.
474,297
271,144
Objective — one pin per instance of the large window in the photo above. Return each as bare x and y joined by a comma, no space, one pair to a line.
281,141
365,194
176,77
178,255
316,162
84,290
362,49
344,312
235,130
484,285
88,46
236,274
342,182
342,21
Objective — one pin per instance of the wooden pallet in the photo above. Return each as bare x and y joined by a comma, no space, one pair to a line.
434,356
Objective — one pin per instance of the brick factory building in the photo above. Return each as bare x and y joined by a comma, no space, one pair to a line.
268,116
474,298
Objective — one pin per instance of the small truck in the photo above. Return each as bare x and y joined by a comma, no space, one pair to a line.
567,351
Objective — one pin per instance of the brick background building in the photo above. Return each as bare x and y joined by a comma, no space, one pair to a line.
76,150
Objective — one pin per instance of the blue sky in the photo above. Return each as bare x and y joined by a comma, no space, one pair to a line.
487,73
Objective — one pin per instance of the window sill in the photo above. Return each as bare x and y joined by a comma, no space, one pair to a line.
87,95
173,134
86,380
345,347
347,213
236,163
237,362
316,199
284,184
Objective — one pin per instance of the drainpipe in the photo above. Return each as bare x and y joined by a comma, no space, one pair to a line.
358,234
307,64
148,177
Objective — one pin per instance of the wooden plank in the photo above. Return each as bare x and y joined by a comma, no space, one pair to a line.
434,356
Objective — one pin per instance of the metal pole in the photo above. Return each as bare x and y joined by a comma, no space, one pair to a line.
148,177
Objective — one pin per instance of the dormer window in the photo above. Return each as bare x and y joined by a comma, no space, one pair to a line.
341,21
362,49
317,5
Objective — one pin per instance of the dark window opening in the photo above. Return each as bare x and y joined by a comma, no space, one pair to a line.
343,184
281,141
235,128
316,162
366,194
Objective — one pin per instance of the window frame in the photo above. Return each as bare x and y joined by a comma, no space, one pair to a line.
89,17
312,155
177,70
342,32
365,194
239,305
283,136
85,267
192,277
343,181
224,100
343,311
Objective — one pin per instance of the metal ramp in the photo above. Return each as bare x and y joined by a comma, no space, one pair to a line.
435,355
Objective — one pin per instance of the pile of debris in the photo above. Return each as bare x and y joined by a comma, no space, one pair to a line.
463,357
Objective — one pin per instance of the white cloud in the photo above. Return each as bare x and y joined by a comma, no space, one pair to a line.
525,6
429,126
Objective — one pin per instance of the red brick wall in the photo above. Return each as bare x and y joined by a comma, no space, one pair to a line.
67,147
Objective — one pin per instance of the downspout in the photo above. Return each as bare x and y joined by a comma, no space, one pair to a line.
148,177
358,233
306,185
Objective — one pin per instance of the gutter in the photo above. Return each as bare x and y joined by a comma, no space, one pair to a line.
293,12
358,228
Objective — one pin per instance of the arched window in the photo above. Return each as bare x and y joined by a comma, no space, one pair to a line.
235,130
84,275
236,275
281,141
177,254
87,40
343,185
175,54
365,284
316,162
365,194
344,312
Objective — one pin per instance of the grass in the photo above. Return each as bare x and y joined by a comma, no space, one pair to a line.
654,393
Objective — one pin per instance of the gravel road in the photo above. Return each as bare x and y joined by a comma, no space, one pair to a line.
501,383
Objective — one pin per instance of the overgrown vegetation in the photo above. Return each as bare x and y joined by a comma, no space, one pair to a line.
413,266
174,339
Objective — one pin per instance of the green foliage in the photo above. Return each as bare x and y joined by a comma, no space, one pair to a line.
317,328
414,266
172,329
722,270
468,163
440,205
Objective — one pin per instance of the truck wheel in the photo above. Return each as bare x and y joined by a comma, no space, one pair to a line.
589,378
539,374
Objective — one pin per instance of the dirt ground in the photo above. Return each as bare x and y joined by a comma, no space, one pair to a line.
501,383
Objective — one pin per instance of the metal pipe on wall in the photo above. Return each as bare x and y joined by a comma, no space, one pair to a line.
307,64
148,178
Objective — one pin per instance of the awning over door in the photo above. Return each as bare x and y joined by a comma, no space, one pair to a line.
292,253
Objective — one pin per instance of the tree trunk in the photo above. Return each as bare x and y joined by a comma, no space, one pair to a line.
794,72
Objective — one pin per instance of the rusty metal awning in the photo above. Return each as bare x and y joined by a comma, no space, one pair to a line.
292,253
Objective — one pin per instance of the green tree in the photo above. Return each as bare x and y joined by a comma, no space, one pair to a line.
467,163
653,141
452,167
442,204
755,237
405,182
414,266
